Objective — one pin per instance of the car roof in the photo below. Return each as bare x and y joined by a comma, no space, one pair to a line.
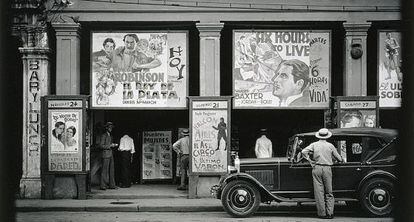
386,134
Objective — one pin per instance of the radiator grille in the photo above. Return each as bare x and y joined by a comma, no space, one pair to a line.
265,177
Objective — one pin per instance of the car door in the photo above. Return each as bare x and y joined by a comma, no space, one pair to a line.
354,150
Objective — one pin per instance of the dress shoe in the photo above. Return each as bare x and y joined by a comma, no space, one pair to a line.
181,188
125,186
113,188
329,216
103,188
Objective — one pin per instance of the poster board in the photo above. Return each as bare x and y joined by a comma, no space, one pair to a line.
65,137
156,155
139,69
265,61
210,135
389,68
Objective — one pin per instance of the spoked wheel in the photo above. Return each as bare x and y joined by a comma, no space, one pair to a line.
377,197
240,198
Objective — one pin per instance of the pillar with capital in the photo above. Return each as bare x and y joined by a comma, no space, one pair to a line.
355,76
210,58
35,54
199,186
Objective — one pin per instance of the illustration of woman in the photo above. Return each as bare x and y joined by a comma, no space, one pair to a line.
71,143
58,137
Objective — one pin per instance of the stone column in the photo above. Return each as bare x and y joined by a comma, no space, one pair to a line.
355,78
199,186
36,73
67,58
210,58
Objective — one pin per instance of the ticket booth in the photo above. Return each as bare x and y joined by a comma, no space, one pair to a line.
65,142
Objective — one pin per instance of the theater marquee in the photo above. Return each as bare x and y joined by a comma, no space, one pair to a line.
281,69
139,70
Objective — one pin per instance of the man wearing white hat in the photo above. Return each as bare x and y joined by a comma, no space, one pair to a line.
323,154
182,148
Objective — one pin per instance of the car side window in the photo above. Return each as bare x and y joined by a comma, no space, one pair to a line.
357,149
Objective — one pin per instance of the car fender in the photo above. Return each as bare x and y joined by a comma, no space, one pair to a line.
264,192
376,173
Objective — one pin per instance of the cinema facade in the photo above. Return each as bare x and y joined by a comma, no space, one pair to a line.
193,49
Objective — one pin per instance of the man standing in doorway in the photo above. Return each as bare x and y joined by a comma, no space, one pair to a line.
182,148
263,147
221,127
289,83
127,149
108,171
323,154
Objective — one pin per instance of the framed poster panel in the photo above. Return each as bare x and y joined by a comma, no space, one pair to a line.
156,155
65,140
139,70
281,69
389,68
209,135
358,111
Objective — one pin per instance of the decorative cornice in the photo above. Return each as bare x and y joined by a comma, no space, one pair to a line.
210,29
356,29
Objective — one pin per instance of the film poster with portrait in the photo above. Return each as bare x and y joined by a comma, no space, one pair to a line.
356,114
281,68
156,155
389,69
139,70
209,137
65,140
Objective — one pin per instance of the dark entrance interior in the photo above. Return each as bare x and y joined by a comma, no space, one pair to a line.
280,125
134,123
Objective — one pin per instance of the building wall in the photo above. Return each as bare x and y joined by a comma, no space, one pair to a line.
84,16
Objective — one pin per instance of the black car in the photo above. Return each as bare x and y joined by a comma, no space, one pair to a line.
367,177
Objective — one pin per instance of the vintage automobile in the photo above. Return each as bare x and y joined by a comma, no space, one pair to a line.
366,178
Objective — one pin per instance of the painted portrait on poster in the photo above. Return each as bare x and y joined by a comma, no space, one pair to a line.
389,69
281,69
139,69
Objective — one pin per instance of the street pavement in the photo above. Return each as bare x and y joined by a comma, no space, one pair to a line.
183,217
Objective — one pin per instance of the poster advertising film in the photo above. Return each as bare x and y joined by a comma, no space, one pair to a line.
156,155
281,69
209,136
389,69
65,140
139,70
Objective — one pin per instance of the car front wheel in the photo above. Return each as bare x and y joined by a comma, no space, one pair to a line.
377,197
240,198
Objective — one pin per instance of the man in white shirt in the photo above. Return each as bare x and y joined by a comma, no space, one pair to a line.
126,148
263,148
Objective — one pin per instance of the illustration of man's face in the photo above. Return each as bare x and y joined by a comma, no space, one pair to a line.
369,123
109,47
60,129
388,35
222,120
284,84
353,122
130,43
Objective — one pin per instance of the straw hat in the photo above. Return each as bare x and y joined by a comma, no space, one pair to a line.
323,134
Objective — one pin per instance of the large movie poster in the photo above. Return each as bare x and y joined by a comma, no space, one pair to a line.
65,140
139,70
156,155
281,69
389,69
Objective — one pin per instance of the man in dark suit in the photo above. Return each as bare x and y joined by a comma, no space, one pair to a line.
105,143
290,83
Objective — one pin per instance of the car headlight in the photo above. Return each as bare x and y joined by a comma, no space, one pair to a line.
231,169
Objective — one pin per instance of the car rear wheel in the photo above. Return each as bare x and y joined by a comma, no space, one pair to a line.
240,198
377,197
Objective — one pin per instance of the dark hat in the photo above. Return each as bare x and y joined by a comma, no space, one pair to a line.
323,134
108,124
185,132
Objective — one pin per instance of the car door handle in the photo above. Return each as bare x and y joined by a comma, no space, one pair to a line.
358,169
